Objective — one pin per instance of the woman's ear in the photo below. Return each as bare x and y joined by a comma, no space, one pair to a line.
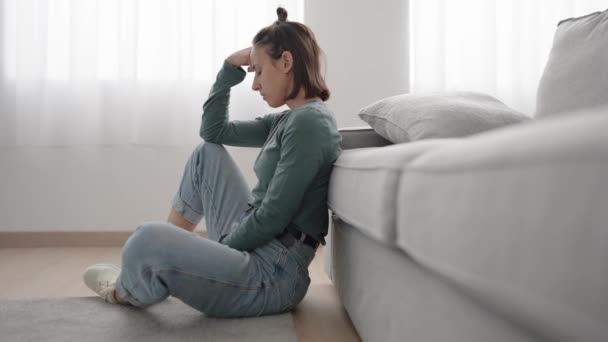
286,61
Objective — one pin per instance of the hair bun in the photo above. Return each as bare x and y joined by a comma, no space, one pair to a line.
282,14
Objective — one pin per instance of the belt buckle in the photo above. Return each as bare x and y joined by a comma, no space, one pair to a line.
302,237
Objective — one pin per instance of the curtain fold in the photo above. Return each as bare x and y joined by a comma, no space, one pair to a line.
103,72
498,47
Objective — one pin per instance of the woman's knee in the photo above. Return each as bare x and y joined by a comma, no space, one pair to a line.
148,237
207,147
205,151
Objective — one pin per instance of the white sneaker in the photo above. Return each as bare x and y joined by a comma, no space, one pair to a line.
101,278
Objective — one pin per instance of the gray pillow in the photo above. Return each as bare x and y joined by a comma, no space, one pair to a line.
411,117
576,74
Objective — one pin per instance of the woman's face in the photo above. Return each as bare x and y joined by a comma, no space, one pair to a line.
272,78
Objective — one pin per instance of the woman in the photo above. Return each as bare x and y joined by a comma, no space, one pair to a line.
261,242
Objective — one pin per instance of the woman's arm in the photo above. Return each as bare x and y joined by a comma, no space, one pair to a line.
304,143
215,124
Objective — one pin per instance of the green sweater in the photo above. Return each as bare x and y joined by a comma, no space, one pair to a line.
299,148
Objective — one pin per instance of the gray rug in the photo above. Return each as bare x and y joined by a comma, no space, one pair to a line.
91,319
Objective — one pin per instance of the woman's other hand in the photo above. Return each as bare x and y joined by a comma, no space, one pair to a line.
240,58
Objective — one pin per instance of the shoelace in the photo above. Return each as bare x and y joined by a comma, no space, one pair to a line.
102,286
108,295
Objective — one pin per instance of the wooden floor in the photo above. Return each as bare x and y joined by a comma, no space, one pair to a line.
57,272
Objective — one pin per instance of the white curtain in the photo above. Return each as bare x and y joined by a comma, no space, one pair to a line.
98,72
498,47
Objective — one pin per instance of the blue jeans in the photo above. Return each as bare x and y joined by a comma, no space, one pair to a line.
160,259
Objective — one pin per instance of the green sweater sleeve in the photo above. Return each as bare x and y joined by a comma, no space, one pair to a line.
302,156
215,125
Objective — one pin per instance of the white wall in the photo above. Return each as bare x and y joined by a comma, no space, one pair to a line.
366,43
113,188
118,187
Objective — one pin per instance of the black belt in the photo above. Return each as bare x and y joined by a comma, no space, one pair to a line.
289,237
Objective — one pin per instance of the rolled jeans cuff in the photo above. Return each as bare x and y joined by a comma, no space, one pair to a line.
125,295
185,211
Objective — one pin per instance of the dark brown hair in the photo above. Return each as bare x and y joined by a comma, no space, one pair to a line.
298,39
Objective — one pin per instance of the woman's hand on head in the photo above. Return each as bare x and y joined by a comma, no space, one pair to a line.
240,58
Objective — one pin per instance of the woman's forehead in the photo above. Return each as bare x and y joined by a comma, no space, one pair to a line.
258,55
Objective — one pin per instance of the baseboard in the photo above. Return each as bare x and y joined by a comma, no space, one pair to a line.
66,239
